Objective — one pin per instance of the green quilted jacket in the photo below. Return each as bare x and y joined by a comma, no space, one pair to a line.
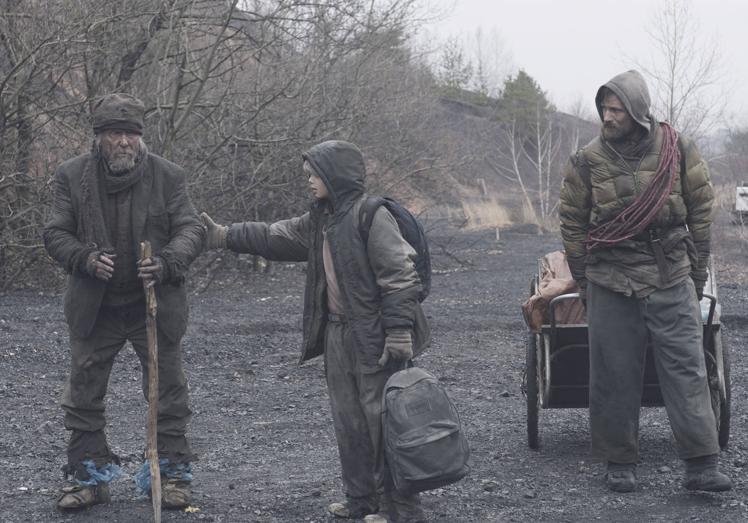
598,184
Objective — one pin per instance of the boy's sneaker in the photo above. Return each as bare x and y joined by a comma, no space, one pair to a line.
350,510
377,518
75,496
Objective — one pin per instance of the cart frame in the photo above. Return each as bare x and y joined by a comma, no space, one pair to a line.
557,366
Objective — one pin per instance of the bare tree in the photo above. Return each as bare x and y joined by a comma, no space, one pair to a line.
528,158
234,91
684,70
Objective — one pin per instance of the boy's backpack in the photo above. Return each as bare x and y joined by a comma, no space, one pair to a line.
410,228
424,444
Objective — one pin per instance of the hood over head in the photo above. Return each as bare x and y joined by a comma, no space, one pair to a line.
341,166
631,88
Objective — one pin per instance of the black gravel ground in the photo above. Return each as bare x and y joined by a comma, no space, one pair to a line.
262,427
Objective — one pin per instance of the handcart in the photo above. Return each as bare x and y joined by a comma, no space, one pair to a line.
557,364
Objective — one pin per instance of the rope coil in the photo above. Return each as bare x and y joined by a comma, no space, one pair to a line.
640,213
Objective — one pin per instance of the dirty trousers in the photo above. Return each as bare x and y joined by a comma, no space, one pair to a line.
91,364
356,403
619,328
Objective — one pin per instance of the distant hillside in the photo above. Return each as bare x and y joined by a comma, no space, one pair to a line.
471,186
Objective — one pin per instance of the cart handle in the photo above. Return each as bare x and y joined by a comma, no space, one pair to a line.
552,311
575,295
712,308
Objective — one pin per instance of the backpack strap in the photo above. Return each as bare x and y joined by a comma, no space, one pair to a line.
682,159
583,169
366,215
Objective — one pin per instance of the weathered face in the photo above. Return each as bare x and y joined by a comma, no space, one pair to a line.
617,122
120,149
316,185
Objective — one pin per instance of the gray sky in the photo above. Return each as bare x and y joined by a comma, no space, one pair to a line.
571,47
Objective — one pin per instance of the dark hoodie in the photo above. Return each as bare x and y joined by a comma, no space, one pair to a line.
631,88
341,167
378,282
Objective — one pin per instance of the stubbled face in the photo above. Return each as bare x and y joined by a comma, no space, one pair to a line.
316,185
617,122
120,149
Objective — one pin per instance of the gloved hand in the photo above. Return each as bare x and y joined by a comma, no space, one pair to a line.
398,345
151,270
216,236
582,284
100,265
699,278
699,289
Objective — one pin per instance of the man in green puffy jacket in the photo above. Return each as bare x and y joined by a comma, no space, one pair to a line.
636,205
361,311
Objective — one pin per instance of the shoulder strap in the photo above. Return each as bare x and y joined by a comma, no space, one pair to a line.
682,158
366,215
583,169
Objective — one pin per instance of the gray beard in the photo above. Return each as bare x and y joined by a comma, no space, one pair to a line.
122,164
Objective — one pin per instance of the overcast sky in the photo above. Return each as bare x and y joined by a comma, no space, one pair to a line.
571,47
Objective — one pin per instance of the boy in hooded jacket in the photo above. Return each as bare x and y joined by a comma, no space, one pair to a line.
361,311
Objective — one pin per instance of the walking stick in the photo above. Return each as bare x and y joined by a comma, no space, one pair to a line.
150,328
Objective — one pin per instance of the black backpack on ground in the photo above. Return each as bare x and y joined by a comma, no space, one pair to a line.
410,228
424,444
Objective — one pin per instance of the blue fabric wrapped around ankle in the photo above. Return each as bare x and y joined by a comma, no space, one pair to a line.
169,469
105,474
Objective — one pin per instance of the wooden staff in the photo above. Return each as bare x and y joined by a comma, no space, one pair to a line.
150,328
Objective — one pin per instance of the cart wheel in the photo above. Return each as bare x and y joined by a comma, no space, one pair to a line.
533,398
723,428
720,405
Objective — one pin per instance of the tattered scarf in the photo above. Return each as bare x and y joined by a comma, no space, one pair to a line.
96,174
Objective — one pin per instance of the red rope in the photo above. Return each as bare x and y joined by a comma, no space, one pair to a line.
640,213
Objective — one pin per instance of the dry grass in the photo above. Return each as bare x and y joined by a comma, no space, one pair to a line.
485,214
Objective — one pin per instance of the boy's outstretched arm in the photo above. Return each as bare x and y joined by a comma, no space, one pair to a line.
285,240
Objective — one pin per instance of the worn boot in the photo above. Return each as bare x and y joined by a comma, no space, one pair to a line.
175,494
621,477
76,496
702,473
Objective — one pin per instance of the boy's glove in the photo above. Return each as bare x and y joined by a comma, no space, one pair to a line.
216,236
398,345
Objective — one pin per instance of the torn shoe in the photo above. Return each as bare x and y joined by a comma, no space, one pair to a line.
75,496
175,494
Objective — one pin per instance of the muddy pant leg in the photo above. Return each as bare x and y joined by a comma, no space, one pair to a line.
173,398
674,319
352,426
618,341
402,508
407,507
91,361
